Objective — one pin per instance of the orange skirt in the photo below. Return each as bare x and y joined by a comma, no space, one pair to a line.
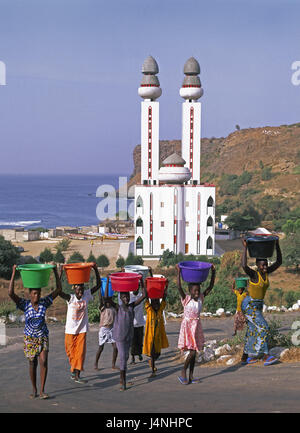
75,345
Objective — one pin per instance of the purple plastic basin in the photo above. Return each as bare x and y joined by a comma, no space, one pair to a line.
194,272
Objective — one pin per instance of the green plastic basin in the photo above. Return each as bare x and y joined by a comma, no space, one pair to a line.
35,276
241,282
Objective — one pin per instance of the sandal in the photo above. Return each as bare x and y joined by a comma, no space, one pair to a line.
270,360
251,360
183,380
196,380
44,396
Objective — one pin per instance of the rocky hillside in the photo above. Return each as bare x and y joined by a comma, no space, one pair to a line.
269,155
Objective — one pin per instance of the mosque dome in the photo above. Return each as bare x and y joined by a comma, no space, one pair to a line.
173,170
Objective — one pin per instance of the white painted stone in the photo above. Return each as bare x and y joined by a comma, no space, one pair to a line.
222,350
284,352
220,311
230,361
296,307
12,317
276,351
223,358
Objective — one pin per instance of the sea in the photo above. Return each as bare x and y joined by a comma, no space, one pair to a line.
52,200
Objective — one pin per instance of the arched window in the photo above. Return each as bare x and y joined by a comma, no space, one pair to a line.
139,243
139,222
139,202
209,243
210,202
210,222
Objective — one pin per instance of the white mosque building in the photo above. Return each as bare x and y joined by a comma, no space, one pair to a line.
173,210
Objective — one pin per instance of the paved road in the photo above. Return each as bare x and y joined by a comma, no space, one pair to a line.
232,389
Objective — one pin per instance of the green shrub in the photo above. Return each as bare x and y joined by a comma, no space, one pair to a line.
275,337
266,173
9,256
7,307
220,297
46,256
76,257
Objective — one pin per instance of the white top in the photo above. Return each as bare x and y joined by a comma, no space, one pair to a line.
77,315
138,310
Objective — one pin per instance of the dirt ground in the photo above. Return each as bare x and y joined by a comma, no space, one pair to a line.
108,247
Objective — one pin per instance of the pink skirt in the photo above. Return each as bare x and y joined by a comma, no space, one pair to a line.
191,335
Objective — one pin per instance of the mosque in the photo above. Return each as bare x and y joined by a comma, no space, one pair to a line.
173,210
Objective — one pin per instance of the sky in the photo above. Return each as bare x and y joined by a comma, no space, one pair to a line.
70,104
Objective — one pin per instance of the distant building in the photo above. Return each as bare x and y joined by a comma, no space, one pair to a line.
20,235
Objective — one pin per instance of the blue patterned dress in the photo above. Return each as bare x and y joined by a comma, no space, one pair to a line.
256,339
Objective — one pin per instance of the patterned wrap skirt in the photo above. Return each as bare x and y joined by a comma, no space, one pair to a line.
33,346
256,339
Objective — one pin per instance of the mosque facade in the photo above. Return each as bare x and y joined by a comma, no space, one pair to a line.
173,210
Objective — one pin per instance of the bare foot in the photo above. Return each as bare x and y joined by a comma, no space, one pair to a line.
114,367
44,396
152,375
96,368
34,395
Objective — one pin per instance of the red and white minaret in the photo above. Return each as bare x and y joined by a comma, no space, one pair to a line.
191,91
149,90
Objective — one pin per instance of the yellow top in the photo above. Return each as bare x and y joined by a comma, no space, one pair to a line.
155,329
258,290
239,298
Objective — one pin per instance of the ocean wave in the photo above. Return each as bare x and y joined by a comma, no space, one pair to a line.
19,223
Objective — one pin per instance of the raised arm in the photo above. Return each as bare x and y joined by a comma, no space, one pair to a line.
62,294
11,289
58,289
141,299
98,279
278,262
166,290
181,292
250,272
212,281
233,287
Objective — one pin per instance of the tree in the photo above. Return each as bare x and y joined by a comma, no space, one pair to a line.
63,245
133,260
59,257
91,258
291,250
266,173
120,263
102,261
76,257
46,256
9,256
247,219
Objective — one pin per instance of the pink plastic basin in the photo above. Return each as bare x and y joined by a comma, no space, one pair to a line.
125,281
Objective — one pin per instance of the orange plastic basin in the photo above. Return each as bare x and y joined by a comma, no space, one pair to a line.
155,287
78,273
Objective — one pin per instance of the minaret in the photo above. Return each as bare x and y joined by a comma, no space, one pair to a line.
191,91
149,90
